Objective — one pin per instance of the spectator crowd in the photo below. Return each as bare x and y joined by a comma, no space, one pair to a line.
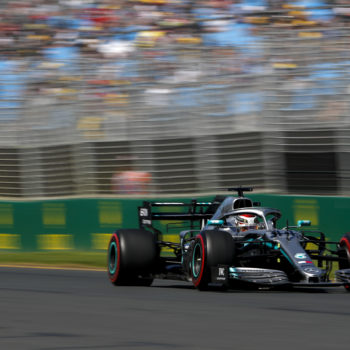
70,52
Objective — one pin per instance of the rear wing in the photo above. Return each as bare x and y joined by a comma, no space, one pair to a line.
191,211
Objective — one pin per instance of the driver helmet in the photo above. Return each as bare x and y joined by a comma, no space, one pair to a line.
247,221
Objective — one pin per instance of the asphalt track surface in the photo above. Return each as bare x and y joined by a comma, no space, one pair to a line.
63,310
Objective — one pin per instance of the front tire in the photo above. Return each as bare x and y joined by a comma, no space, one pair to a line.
132,257
211,248
344,255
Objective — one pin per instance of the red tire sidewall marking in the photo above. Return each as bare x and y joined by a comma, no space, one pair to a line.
114,277
197,281
345,241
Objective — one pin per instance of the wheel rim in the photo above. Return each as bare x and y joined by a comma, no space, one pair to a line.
112,258
197,260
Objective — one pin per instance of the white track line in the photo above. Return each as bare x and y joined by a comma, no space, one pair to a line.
47,267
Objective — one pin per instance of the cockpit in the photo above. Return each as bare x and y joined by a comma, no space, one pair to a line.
244,220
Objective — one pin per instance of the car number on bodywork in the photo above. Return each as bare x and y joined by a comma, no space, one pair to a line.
219,273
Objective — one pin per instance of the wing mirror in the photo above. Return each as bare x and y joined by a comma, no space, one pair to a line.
215,222
304,223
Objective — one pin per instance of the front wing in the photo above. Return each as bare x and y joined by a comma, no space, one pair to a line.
270,278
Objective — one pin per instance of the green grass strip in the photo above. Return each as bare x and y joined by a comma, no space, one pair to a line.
58,259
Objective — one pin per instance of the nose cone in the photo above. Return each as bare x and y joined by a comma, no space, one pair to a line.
311,272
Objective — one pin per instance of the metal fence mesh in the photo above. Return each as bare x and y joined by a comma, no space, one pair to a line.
272,113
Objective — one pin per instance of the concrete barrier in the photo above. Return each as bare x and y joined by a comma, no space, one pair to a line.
87,223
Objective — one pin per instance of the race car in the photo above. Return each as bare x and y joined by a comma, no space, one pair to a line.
231,242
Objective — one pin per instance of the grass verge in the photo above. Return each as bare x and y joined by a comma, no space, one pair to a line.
57,259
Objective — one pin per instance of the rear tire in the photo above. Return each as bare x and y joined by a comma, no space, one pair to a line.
132,257
211,248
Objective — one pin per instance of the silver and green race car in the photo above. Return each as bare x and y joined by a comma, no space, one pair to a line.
231,242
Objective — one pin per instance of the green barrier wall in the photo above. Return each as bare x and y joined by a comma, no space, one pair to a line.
86,224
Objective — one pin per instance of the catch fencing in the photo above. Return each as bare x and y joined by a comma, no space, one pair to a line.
273,114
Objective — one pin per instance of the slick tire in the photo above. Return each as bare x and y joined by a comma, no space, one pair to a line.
344,254
211,248
132,257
